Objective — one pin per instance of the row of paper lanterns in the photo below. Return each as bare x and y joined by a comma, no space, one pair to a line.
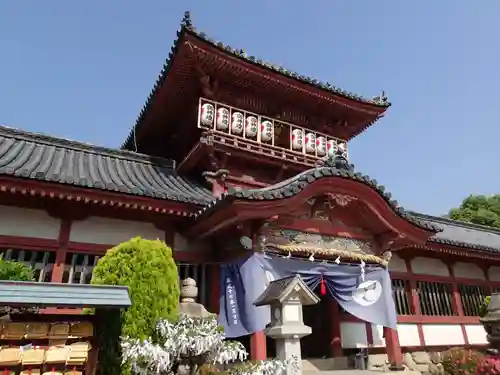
238,124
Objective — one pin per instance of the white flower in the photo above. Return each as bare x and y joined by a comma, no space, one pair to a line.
188,339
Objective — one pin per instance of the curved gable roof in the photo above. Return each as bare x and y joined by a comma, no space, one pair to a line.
332,167
381,102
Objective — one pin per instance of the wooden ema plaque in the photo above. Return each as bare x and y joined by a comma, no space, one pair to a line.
43,348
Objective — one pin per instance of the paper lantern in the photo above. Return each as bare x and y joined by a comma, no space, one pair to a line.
237,120
297,139
266,131
251,127
222,121
331,147
207,114
310,142
321,146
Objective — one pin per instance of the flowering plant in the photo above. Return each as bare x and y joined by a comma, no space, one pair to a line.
192,342
459,361
488,366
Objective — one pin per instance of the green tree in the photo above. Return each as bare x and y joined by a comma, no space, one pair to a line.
15,271
148,269
478,209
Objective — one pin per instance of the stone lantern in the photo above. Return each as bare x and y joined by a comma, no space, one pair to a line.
491,322
286,298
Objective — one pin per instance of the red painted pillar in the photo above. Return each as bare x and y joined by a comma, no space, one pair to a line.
64,232
335,334
258,346
393,348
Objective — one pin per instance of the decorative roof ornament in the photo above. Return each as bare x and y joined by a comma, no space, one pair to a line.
186,20
337,161
381,99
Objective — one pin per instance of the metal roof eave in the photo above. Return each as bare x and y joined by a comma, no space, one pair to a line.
34,294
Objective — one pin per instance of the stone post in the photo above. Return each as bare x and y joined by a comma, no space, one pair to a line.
188,304
193,309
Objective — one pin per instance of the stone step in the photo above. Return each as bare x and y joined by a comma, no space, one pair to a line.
326,364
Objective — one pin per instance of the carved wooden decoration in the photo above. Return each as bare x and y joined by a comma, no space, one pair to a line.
341,200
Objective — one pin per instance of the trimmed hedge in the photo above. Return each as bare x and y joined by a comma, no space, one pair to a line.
149,270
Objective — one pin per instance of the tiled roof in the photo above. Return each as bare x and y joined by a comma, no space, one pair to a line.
45,158
187,27
241,54
467,235
49,159
332,167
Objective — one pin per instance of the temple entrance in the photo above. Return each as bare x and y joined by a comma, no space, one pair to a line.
317,344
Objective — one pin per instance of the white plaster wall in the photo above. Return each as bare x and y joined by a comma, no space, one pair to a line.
468,270
24,222
408,335
494,273
353,335
378,335
443,334
106,231
475,334
429,266
397,264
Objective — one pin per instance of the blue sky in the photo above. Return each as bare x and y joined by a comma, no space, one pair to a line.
83,69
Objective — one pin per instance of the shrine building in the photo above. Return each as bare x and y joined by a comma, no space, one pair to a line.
227,149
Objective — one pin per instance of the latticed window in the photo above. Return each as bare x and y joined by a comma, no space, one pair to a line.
435,298
78,268
401,298
472,297
42,262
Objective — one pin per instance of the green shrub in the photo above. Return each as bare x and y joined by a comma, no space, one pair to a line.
460,361
15,271
484,307
148,269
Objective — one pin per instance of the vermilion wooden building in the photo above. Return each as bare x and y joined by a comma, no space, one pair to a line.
225,146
